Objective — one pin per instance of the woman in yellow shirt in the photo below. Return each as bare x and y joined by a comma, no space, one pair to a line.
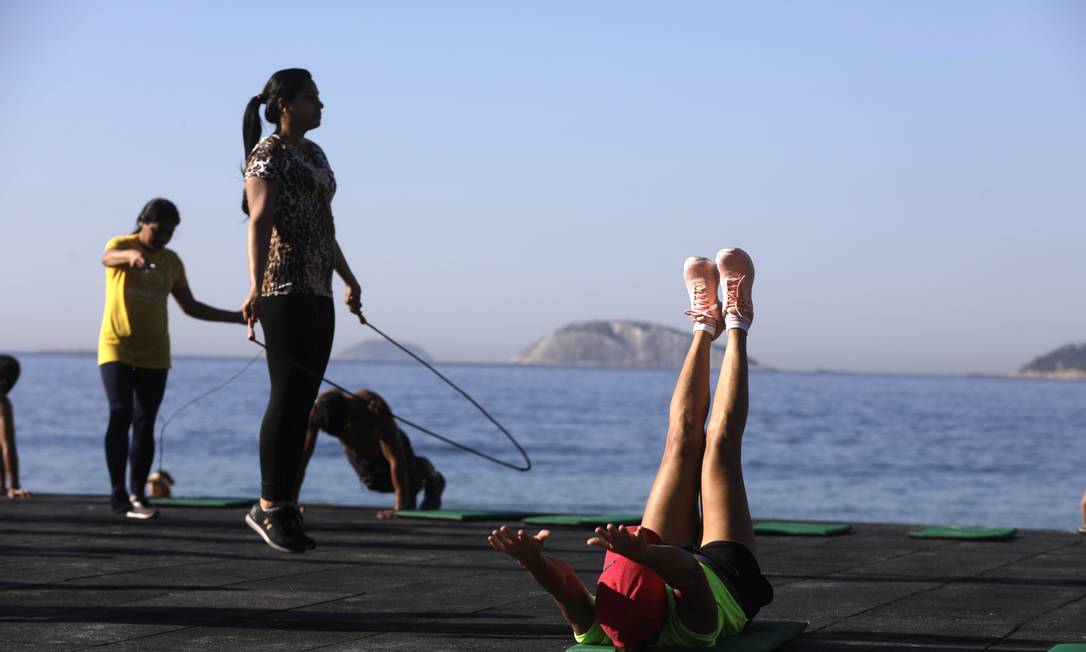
134,345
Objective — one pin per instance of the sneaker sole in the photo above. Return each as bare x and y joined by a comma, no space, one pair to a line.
142,517
736,250
256,528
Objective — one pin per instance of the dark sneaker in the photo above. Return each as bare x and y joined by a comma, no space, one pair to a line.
119,503
431,498
276,528
299,524
140,509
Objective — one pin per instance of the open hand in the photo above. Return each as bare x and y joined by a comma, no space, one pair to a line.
618,538
519,545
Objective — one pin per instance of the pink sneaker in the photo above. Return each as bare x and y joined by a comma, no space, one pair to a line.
702,281
737,273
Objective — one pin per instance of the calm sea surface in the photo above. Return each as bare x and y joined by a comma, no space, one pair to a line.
939,450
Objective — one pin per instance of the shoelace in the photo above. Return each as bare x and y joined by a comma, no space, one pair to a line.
700,309
731,284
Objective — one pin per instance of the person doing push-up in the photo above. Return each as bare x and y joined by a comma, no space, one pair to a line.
678,580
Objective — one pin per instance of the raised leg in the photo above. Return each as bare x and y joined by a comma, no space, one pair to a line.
672,507
725,512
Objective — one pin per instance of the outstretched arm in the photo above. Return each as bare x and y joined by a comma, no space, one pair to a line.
193,308
553,575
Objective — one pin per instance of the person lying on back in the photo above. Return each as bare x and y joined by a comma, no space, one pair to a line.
380,453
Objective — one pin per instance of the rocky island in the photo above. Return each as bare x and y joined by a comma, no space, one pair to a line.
382,351
616,343
1065,363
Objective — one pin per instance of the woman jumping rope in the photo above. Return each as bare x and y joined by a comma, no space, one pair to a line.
678,580
292,254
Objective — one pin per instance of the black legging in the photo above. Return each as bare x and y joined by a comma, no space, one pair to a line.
298,330
134,395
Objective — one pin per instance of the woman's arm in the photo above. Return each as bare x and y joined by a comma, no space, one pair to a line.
122,257
198,310
555,576
353,297
262,196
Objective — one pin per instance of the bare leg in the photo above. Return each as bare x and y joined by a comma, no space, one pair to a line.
672,507
725,513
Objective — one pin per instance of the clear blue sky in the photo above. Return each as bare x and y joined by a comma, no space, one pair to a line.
910,177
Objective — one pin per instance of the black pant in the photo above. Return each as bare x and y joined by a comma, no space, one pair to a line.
298,330
134,395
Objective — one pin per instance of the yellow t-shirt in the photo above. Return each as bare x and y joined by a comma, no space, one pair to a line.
134,323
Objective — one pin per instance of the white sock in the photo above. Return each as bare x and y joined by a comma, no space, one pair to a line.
735,321
705,326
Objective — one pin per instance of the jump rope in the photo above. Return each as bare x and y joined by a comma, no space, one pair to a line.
468,449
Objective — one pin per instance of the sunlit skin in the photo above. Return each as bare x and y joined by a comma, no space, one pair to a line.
296,117
9,457
671,509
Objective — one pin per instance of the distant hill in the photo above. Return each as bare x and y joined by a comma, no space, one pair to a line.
383,351
615,343
1065,362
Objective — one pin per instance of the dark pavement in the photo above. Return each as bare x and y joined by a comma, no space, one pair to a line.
74,576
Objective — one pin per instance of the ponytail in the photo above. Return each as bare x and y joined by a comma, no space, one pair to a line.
283,84
250,134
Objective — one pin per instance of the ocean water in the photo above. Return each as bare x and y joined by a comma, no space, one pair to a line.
875,448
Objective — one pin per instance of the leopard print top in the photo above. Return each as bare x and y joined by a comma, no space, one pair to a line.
302,253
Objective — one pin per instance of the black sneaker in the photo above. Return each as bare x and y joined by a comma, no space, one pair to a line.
299,524
276,528
119,503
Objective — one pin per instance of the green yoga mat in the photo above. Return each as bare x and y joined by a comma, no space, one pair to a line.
801,529
465,515
202,502
973,533
760,636
1068,647
584,519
